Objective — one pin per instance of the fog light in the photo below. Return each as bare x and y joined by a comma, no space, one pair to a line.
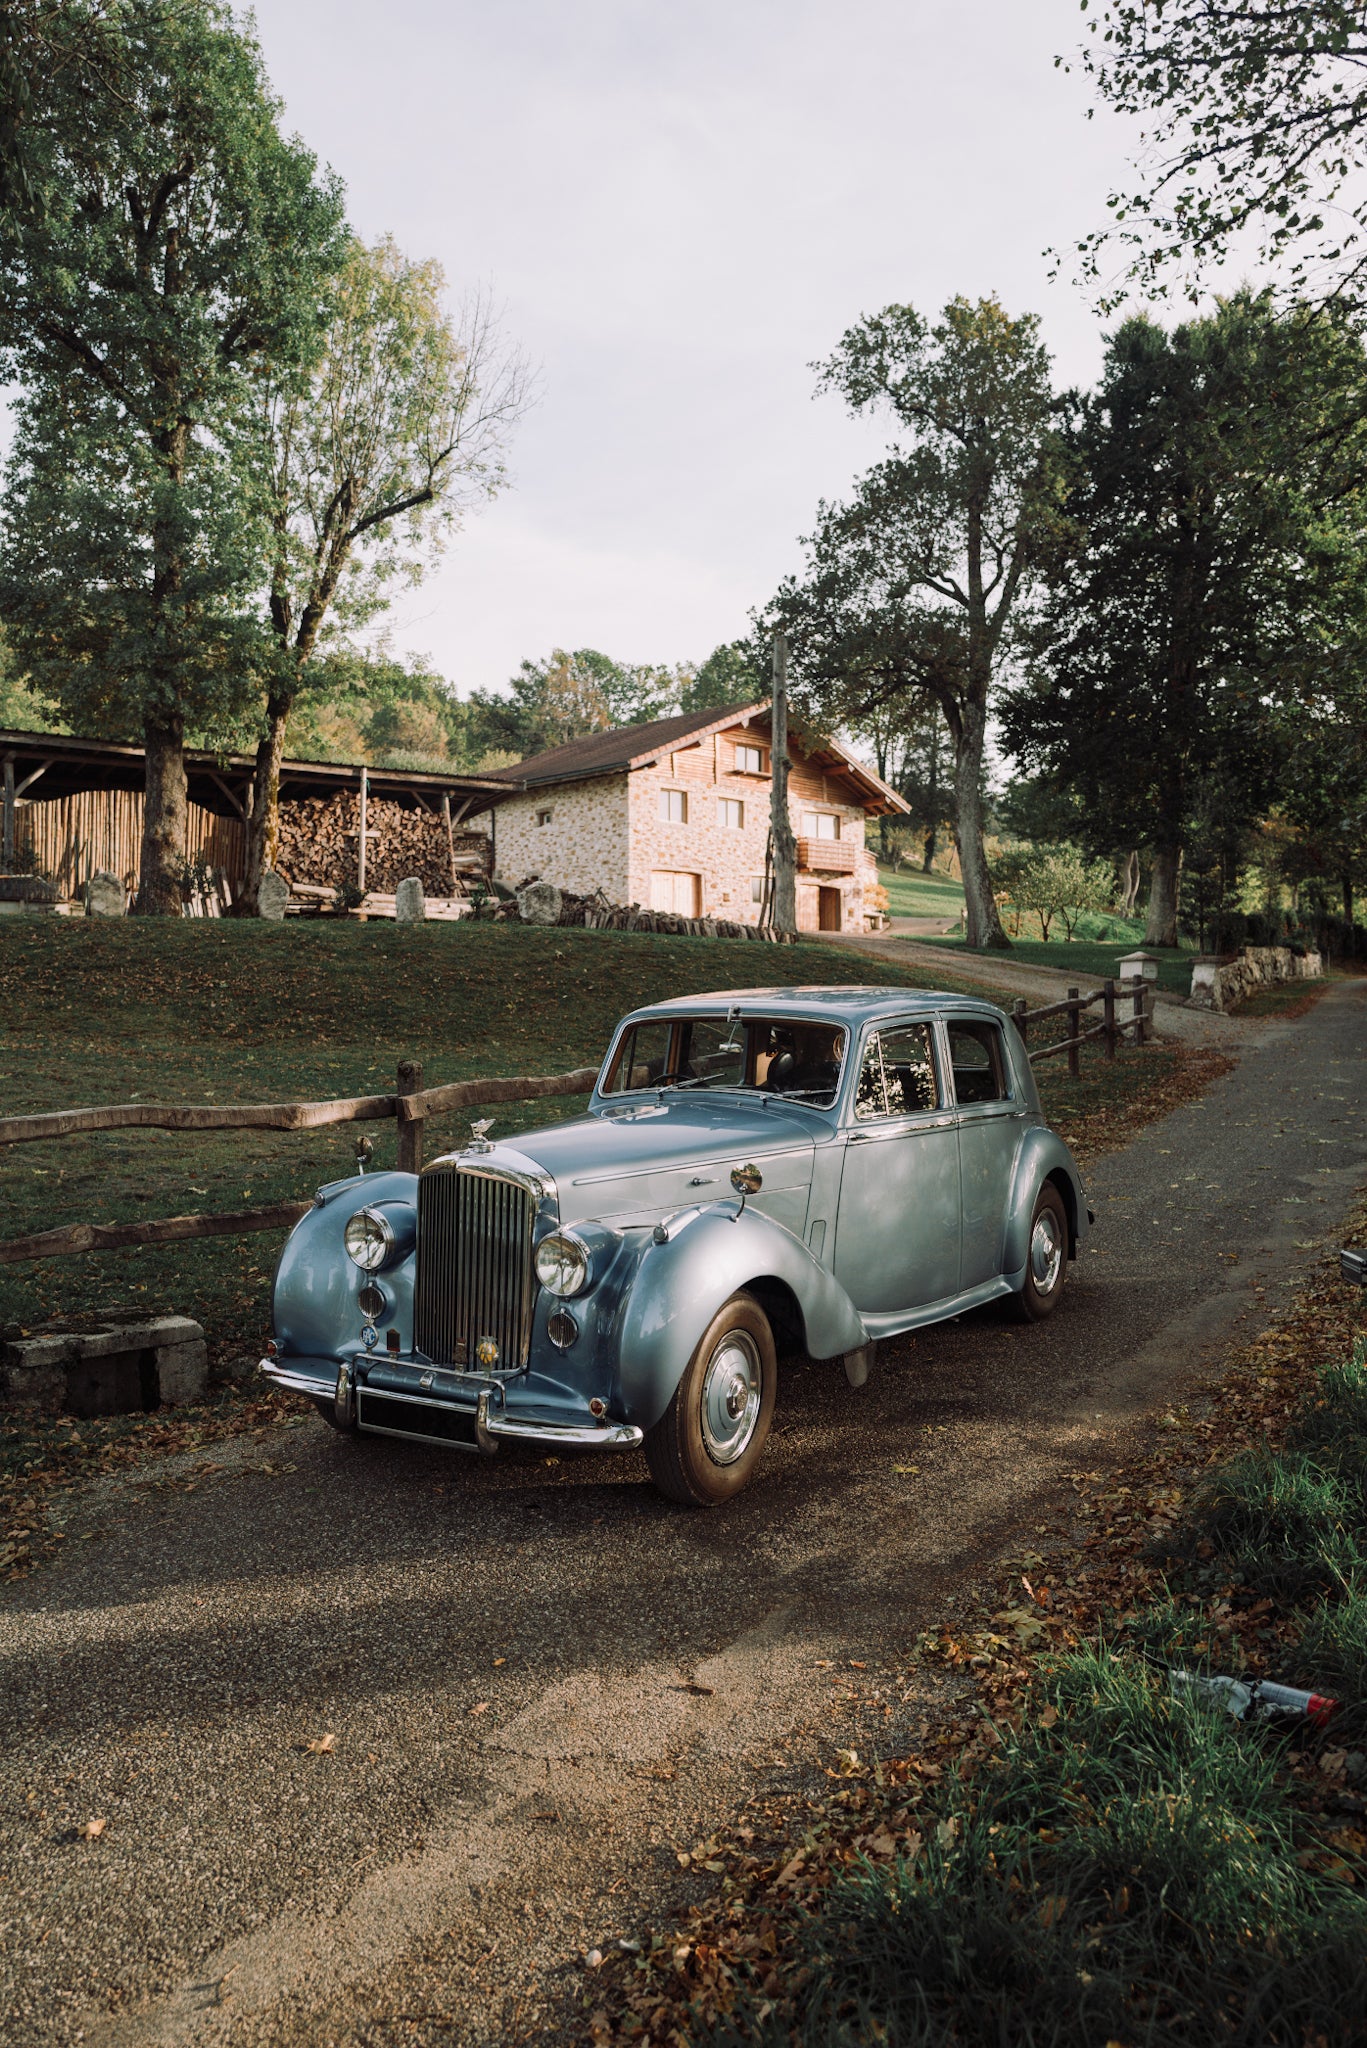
562,1329
486,1353
371,1302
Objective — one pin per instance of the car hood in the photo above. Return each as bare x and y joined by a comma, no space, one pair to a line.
638,1162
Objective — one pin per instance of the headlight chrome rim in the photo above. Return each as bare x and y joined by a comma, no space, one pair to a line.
369,1239
564,1264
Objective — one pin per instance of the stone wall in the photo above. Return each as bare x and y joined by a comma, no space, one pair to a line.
582,847
1215,984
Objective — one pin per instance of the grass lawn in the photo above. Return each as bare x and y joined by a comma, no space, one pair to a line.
912,894
226,1012
1089,960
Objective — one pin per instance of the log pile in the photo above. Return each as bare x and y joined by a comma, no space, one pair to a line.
318,845
598,914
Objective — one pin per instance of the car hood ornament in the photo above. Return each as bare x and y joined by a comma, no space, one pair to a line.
478,1141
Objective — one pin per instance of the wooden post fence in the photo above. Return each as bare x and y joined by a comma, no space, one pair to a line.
1074,1027
1108,1018
410,1132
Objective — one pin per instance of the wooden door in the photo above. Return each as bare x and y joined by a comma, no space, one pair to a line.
829,910
676,891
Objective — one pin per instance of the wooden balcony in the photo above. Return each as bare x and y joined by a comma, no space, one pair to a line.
828,856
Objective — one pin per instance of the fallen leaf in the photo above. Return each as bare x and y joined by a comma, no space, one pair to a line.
1049,1717
480,1707
1051,1910
322,1745
498,1661
92,1830
906,1471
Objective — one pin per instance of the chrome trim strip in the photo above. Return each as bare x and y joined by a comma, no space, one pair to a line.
598,1436
412,1436
297,1382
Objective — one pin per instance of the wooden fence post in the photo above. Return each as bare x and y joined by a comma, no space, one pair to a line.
1074,1026
410,1134
1018,1010
1108,1017
450,842
361,832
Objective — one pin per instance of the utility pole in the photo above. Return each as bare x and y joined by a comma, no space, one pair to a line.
781,825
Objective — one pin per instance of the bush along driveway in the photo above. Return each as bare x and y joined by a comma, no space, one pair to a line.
309,1740
1090,1849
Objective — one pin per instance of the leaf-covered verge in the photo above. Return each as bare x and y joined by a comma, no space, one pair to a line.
1072,1857
229,1012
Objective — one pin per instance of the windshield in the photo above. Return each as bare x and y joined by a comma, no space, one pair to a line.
772,1055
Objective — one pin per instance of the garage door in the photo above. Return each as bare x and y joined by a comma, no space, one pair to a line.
675,891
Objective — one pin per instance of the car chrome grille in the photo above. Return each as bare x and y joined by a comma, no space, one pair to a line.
474,1277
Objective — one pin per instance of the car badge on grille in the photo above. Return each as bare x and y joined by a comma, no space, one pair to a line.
486,1352
478,1141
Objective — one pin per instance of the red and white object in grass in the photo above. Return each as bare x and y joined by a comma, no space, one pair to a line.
1258,1700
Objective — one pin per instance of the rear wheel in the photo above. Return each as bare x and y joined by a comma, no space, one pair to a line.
1046,1261
708,1441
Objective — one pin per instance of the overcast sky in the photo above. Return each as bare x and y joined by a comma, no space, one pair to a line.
679,204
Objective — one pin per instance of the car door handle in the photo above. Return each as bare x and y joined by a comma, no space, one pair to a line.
861,1137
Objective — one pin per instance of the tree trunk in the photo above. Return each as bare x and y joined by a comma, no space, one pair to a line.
1129,882
982,923
1347,899
928,852
1161,929
163,819
263,819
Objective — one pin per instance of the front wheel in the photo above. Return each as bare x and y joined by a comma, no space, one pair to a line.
1046,1262
707,1443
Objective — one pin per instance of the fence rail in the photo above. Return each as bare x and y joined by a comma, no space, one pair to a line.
1111,1030
409,1108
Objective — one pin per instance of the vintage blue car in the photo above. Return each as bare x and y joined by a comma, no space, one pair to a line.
800,1170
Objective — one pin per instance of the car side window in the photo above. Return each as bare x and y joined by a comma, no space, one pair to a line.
898,1074
979,1061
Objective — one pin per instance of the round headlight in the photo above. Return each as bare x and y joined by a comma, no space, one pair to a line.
369,1239
562,1264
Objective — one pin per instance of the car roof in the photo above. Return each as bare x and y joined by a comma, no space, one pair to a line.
849,1004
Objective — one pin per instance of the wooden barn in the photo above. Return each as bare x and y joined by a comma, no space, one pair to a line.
72,807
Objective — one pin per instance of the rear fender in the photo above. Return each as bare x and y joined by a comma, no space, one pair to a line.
1043,1156
680,1284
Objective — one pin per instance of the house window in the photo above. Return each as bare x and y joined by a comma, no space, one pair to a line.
750,761
673,807
731,811
543,817
820,825
757,889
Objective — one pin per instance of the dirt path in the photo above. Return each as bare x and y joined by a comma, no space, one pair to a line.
1038,984
543,1683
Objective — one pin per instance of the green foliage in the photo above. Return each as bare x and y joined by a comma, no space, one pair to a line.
734,673
375,708
1217,492
1255,122
568,695
1053,881
182,245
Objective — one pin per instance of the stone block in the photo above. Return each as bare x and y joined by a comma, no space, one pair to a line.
105,895
540,903
117,1368
273,893
410,902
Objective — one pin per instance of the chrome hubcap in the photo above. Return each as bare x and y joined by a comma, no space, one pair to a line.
731,1390
1046,1252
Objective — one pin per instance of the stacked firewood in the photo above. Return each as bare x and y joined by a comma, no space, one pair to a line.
319,840
598,914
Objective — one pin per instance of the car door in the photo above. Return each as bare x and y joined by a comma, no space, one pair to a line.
897,1228
989,1127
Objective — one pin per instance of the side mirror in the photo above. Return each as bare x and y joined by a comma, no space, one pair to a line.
365,1148
746,1180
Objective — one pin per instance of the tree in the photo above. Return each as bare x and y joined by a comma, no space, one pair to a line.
374,453
732,674
569,695
912,586
1218,491
1260,130
180,246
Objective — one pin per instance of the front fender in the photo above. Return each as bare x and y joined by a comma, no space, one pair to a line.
314,1301
680,1285
1042,1156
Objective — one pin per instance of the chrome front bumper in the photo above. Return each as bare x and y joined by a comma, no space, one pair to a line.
488,1426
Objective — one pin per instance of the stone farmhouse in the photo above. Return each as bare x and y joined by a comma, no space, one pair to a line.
675,816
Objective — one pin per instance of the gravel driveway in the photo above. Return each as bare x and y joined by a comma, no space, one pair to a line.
541,1682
